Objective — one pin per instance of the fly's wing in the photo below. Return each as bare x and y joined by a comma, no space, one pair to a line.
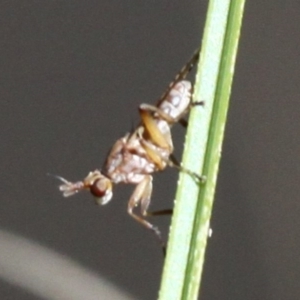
181,75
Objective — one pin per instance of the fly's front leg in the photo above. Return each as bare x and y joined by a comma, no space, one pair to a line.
141,196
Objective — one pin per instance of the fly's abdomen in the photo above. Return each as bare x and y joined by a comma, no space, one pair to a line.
178,100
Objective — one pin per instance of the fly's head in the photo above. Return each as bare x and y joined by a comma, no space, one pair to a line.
99,186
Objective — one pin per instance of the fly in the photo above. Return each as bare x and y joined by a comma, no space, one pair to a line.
146,150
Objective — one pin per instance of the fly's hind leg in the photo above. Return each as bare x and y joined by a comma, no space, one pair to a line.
173,162
164,141
161,139
163,115
141,197
181,120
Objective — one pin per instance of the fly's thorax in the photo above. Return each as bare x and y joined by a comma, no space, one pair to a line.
115,156
128,162
132,168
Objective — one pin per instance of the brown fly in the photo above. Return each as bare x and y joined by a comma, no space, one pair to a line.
147,149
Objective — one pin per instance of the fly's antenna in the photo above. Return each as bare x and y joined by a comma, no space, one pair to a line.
68,188
181,74
57,177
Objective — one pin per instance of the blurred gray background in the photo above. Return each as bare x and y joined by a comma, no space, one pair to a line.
72,76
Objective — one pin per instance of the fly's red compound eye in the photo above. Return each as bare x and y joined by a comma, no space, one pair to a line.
102,190
98,188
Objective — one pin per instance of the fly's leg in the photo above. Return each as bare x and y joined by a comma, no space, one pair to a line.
162,212
141,196
163,141
160,139
154,109
152,136
183,122
166,117
173,162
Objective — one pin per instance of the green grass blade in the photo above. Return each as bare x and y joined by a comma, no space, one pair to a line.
191,218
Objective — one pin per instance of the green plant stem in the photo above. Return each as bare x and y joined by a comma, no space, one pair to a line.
193,205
